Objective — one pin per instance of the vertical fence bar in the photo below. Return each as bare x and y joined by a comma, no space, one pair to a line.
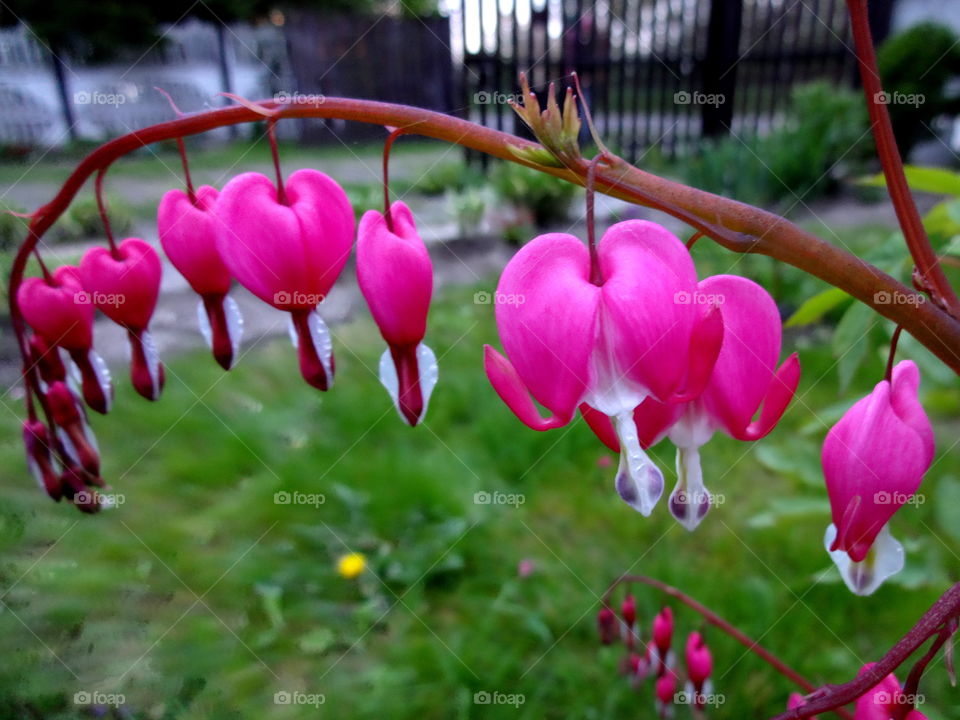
720,67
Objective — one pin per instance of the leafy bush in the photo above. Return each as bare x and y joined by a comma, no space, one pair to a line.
468,206
448,177
82,221
12,229
919,62
546,197
799,159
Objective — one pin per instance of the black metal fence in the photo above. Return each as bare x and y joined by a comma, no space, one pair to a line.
657,72
393,59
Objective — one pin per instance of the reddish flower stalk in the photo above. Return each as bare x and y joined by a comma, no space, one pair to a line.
186,171
387,145
930,274
734,225
595,277
275,153
942,614
102,208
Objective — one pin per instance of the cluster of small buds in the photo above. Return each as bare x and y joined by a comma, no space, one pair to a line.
64,373
654,657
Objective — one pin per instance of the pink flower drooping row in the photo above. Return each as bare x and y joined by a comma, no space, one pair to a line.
285,245
654,658
628,336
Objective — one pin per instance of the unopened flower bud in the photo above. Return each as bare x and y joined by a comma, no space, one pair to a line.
607,625
629,610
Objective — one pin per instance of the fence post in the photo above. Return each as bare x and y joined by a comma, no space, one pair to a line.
66,100
880,13
720,64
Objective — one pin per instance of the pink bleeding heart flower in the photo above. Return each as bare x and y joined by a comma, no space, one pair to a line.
46,360
699,669
396,278
188,231
628,610
662,631
873,460
73,432
607,625
124,285
289,254
884,701
745,381
61,316
797,700
665,690
40,462
607,346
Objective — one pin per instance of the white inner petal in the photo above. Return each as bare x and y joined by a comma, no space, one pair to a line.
322,342
234,324
102,371
639,482
690,500
885,558
34,467
153,361
203,322
427,369
429,374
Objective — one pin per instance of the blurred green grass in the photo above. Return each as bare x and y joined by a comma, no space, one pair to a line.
201,596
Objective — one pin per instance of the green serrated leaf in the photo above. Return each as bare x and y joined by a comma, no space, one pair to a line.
814,308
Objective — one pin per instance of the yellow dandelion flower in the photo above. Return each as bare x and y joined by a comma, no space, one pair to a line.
351,565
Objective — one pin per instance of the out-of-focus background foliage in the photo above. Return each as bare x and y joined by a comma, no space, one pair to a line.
212,590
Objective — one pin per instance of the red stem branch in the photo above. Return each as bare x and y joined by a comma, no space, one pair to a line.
933,278
102,208
186,171
828,697
387,145
734,225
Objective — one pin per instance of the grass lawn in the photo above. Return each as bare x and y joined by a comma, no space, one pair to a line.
201,596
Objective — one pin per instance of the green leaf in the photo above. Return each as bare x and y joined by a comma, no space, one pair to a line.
943,219
814,308
922,179
317,641
948,499
270,601
952,247
791,507
800,459
851,341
